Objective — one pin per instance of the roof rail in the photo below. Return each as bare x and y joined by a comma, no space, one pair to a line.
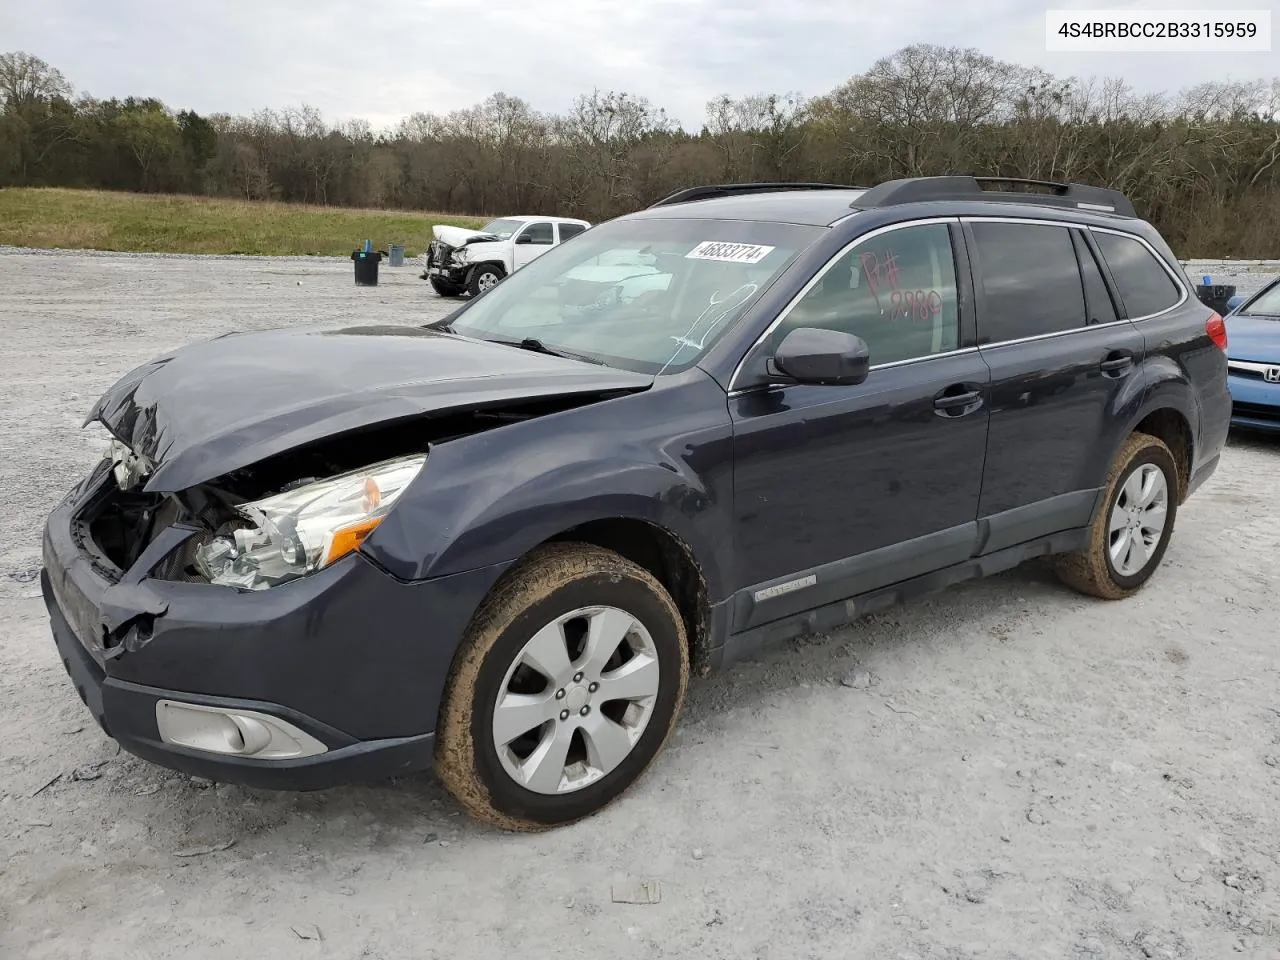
710,191
1047,192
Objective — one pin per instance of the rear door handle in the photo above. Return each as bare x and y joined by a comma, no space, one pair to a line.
1117,363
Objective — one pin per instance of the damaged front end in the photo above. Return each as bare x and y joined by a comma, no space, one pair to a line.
283,518
449,254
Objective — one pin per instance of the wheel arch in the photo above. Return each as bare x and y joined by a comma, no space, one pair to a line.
670,559
1172,427
654,548
1159,400
497,265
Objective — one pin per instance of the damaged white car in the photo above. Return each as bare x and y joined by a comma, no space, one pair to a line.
462,261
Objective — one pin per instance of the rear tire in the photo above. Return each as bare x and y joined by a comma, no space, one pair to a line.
1131,532
446,289
483,278
566,687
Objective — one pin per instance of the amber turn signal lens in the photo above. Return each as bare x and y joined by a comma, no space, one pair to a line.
348,539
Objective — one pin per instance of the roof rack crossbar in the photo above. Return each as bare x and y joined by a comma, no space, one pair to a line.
921,189
711,191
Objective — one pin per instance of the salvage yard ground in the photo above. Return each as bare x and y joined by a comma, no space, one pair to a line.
1007,770
134,222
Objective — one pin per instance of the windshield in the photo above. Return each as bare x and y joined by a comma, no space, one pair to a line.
502,229
645,295
1267,305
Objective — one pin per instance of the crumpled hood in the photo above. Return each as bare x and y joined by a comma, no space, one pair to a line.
457,236
1253,338
223,404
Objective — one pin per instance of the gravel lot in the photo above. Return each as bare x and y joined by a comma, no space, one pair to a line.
1009,770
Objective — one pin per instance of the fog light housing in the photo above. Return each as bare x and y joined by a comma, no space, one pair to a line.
233,732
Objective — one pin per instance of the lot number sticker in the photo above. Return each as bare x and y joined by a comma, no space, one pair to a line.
731,252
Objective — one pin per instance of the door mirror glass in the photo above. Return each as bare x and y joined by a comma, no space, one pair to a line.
826,357
525,237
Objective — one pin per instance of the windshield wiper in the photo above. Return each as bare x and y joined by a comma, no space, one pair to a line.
537,346
528,343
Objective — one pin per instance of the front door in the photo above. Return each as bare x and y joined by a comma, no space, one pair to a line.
843,489
533,241
1061,362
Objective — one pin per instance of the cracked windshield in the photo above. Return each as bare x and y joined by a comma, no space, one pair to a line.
646,295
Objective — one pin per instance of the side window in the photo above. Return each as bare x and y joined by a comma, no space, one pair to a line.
1030,280
1096,295
1144,286
568,230
897,291
539,233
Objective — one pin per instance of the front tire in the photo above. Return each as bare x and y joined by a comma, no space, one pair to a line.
1131,532
566,687
483,278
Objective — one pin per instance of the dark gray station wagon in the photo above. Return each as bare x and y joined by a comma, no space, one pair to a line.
499,544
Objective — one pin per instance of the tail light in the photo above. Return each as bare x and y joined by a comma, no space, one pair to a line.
1217,331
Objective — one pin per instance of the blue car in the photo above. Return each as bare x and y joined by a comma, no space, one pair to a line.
1253,360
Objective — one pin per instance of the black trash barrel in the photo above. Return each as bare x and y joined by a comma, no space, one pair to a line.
1215,296
366,262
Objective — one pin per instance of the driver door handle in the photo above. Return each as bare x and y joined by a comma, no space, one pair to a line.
958,400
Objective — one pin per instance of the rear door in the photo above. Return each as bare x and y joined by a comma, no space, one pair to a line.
567,230
1063,364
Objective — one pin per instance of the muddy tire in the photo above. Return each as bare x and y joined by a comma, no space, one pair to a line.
446,289
568,684
1131,532
483,278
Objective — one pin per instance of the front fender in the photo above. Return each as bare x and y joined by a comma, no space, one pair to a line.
492,497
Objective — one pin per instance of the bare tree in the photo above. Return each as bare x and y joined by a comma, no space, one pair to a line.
26,79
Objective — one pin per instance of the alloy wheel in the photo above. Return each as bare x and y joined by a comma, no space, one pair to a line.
1137,519
576,700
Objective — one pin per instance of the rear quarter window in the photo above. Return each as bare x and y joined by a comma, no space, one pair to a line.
1144,286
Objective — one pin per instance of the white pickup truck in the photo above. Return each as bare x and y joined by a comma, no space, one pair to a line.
471,261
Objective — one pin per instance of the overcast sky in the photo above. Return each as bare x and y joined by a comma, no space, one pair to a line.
383,61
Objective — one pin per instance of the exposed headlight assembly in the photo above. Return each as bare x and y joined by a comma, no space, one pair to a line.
127,466
302,530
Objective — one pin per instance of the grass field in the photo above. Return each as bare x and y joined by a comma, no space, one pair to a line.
148,223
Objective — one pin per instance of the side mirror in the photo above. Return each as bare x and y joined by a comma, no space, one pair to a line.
825,357
525,237
1235,302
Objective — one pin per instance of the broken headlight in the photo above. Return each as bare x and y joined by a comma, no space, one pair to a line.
127,466
304,529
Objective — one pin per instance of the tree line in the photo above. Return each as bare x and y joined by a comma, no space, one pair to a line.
1203,164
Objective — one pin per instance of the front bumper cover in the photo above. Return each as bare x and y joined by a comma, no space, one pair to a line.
448,274
127,712
350,655
1255,403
